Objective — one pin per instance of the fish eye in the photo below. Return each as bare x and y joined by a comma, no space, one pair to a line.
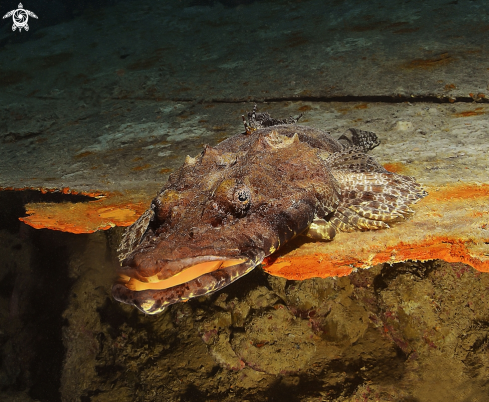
231,197
241,199
243,196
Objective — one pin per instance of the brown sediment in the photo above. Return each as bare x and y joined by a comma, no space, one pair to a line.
437,61
406,30
141,167
395,167
460,191
469,113
83,154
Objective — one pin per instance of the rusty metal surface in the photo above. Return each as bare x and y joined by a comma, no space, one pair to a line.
110,103
444,146
134,146
263,50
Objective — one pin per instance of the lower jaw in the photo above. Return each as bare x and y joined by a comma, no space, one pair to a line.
153,301
189,273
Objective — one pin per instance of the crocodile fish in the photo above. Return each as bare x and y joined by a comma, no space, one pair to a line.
224,211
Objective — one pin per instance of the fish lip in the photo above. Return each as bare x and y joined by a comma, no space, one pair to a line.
156,301
169,268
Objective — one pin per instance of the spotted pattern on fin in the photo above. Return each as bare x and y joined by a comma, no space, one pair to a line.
135,234
257,121
364,140
353,160
371,197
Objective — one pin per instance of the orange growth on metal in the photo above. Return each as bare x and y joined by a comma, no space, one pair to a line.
470,113
307,266
437,61
396,167
451,223
112,209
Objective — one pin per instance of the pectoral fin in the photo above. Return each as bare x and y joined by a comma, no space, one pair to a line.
135,234
321,229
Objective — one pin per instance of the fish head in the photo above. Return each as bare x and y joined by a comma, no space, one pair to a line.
217,218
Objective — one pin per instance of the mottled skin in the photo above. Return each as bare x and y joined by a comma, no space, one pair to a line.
240,201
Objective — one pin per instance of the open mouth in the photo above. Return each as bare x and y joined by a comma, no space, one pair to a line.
185,275
181,280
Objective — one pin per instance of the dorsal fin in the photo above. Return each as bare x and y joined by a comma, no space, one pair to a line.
353,160
257,121
354,138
